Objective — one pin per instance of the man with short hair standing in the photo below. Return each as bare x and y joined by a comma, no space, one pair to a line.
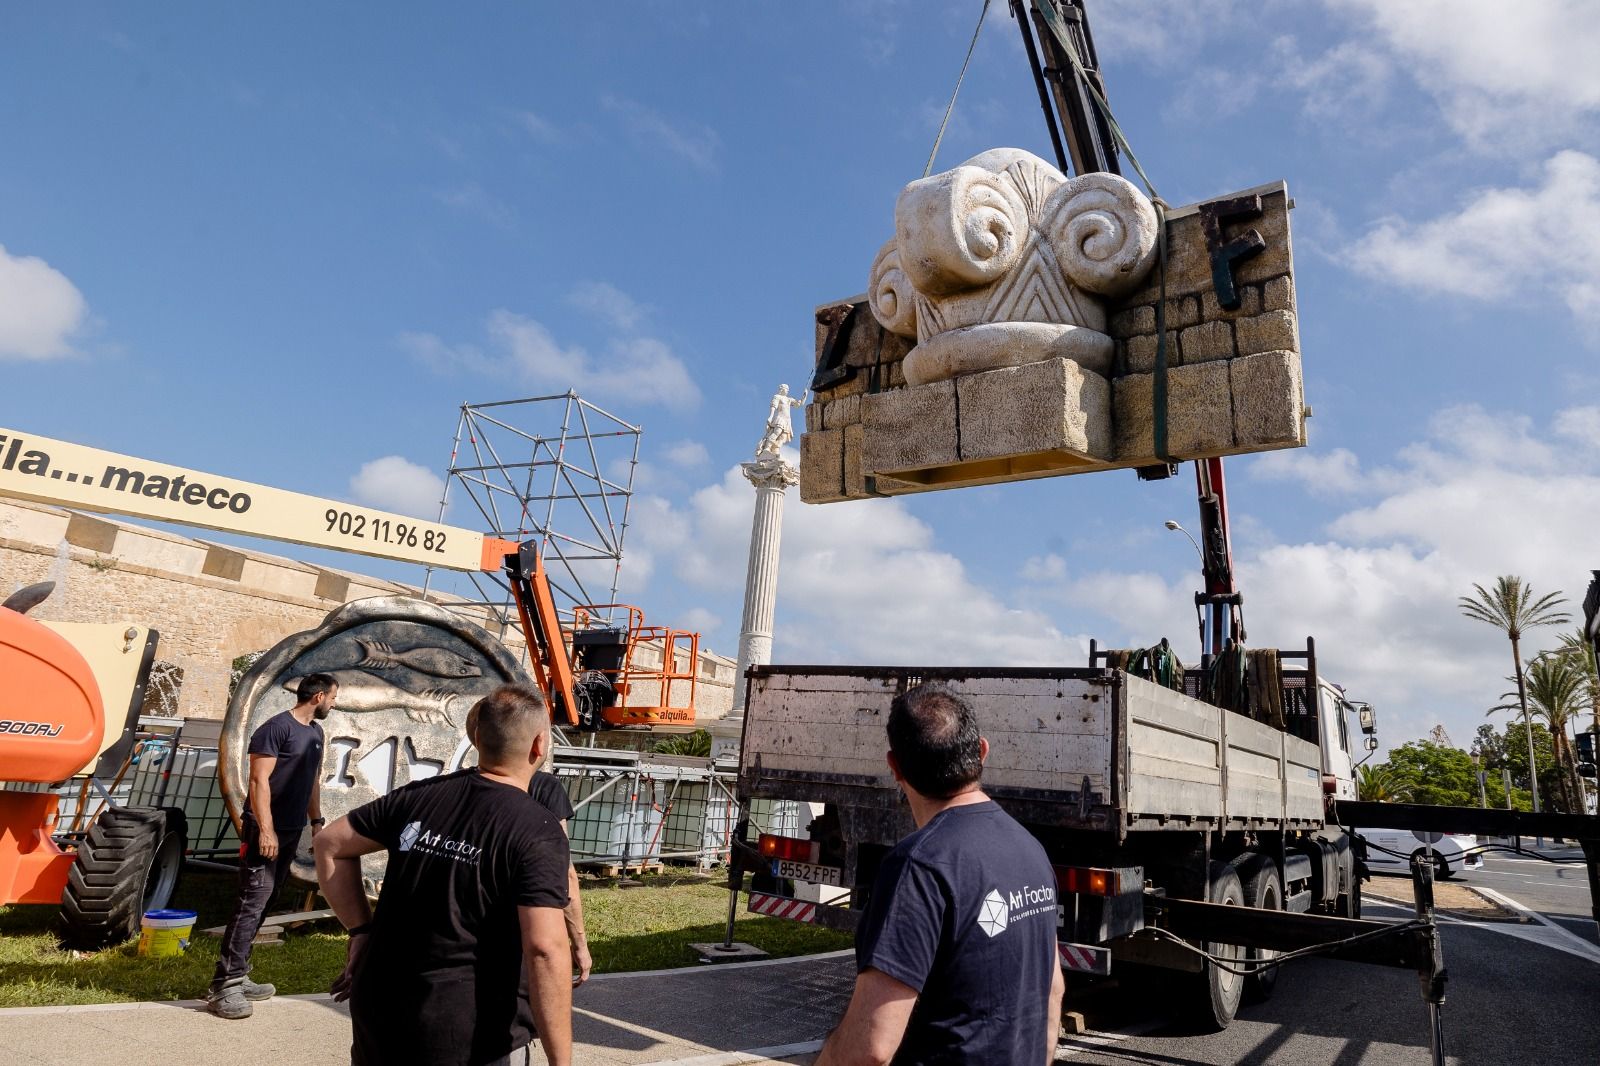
466,957
956,954
285,793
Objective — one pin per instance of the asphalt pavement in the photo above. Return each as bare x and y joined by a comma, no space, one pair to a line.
1519,992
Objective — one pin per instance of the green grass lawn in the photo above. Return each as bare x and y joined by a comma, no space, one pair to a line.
647,927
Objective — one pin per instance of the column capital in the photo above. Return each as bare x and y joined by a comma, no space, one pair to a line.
769,471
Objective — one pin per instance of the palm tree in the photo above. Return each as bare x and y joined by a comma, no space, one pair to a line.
1556,687
1512,608
1577,646
1380,784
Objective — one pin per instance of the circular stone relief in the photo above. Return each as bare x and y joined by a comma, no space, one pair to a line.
408,672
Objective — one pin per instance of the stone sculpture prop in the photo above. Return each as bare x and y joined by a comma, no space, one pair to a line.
1008,332
1004,261
408,673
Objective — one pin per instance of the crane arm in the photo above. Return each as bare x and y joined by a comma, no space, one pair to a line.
90,479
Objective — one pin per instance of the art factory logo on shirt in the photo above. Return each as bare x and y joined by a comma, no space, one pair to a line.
415,838
1000,912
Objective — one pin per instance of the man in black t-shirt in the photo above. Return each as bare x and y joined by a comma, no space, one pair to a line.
285,777
956,955
547,789
466,956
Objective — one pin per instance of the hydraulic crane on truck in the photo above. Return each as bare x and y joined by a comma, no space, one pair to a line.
1082,130
105,871
1066,71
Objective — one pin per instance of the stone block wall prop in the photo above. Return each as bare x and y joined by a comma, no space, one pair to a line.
1252,399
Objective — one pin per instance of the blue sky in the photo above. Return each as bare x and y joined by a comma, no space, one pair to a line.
284,244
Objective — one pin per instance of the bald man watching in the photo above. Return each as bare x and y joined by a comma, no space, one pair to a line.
466,957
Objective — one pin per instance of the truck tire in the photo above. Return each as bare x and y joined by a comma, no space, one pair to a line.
1214,993
1263,889
127,864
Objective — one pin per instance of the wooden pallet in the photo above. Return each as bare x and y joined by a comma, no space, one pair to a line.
617,869
275,923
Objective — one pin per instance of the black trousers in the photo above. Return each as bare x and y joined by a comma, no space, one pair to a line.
259,878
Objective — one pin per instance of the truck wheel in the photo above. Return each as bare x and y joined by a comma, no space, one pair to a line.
127,864
1215,993
1263,888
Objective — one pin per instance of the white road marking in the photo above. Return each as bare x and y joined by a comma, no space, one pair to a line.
735,1058
724,966
1549,934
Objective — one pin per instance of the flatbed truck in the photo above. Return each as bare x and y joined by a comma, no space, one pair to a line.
1138,792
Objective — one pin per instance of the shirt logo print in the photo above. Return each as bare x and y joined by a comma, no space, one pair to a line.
994,915
408,835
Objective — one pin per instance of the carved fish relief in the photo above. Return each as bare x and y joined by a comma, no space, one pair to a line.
361,692
376,655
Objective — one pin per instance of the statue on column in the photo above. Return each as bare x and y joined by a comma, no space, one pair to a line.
780,430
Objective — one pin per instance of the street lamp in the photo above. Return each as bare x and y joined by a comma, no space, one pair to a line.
1201,618
1174,526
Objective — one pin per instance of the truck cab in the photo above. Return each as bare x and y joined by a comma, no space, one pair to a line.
1338,760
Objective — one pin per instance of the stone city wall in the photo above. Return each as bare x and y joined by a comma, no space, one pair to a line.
212,603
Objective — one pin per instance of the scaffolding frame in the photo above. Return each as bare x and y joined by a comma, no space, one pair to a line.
546,467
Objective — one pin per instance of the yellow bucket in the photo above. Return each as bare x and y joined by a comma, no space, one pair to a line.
165,933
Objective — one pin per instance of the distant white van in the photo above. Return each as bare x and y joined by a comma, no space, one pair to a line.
1390,851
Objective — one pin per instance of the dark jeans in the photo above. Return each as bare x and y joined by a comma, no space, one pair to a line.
259,878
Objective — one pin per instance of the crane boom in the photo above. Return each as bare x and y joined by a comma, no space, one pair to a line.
90,479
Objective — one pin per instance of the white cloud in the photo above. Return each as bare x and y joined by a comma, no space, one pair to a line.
1319,473
474,199
394,483
1503,243
40,310
695,143
1581,425
858,582
1484,494
687,454
537,126
699,620
638,369
1521,75
608,302
1158,31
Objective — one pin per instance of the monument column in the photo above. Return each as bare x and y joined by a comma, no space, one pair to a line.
771,476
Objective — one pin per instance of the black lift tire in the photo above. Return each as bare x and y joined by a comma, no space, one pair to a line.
1263,889
127,864
1214,993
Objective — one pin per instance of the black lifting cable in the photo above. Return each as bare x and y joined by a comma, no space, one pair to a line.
1231,965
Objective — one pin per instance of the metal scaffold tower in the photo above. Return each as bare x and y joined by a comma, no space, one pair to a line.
553,468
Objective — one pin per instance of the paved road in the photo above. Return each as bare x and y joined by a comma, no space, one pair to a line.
1559,892
1518,993
761,1012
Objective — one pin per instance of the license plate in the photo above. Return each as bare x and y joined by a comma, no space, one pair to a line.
806,871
